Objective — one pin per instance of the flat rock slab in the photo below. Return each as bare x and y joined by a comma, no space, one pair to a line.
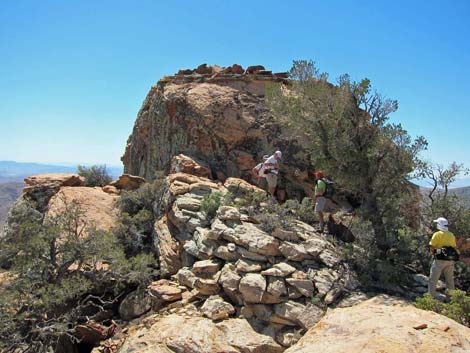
165,292
186,334
253,238
384,324
206,267
61,179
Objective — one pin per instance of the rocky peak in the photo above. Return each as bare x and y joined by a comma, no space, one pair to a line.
219,116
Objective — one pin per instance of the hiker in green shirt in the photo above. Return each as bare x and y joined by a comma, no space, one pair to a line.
320,199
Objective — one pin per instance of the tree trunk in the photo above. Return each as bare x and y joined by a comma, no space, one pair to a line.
375,217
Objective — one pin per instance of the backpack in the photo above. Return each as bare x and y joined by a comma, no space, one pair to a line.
448,253
330,188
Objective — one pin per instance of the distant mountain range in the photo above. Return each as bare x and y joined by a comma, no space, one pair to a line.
462,192
14,171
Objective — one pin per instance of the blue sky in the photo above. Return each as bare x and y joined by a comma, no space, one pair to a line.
73,74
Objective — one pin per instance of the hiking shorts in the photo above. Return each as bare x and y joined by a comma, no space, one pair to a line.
271,179
320,204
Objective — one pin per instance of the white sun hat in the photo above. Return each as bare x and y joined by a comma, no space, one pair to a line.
442,223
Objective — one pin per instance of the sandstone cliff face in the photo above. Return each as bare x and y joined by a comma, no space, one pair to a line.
219,116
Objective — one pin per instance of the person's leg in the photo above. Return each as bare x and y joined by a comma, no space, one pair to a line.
319,207
436,269
321,220
449,274
272,182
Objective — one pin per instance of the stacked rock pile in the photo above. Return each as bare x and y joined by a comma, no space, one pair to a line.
281,282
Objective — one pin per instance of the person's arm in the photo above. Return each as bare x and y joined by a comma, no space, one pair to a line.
433,243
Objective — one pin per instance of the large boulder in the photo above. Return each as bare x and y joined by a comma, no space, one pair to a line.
134,305
98,208
215,308
189,334
252,287
254,239
128,182
184,164
387,325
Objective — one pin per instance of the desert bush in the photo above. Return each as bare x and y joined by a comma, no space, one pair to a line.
20,211
304,211
96,175
457,309
211,203
376,271
139,210
272,215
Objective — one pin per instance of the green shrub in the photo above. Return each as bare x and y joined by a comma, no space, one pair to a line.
457,309
96,175
139,210
303,211
131,202
273,215
211,203
376,271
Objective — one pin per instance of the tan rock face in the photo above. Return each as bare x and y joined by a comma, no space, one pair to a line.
220,116
185,164
199,335
167,248
99,208
386,325
128,182
40,188
61,179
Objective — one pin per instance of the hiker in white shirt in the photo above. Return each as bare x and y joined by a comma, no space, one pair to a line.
258,171
271,170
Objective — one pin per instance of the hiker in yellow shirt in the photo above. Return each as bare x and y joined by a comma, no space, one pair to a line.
441,245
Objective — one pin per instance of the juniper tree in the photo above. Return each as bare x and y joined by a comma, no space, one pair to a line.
59,262
348,128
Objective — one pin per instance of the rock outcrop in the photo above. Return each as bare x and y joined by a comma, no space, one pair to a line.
46,195
196,334
387,325
232,268
59,179
219,116
128,182
40,188
98,207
